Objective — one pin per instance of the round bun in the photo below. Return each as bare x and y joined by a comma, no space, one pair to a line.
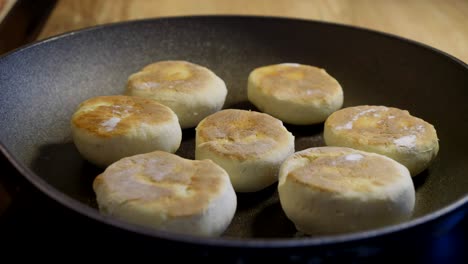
163,191
191,91
331,190
108,128
249,145
385,130
294,93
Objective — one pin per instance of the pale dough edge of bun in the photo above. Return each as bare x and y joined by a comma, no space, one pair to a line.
251,174
416,160
211,222
292,112
103,151
264,170
317,212
190,108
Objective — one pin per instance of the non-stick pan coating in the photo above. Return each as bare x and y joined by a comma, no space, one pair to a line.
42,84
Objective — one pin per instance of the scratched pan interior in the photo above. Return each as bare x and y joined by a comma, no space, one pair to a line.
42,84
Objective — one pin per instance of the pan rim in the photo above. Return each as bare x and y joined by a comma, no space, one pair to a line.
85,210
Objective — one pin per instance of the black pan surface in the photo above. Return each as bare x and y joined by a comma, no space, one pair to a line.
41,85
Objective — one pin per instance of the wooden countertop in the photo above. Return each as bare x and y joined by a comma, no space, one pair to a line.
441,24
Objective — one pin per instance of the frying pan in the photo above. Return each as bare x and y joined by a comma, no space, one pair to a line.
41,84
